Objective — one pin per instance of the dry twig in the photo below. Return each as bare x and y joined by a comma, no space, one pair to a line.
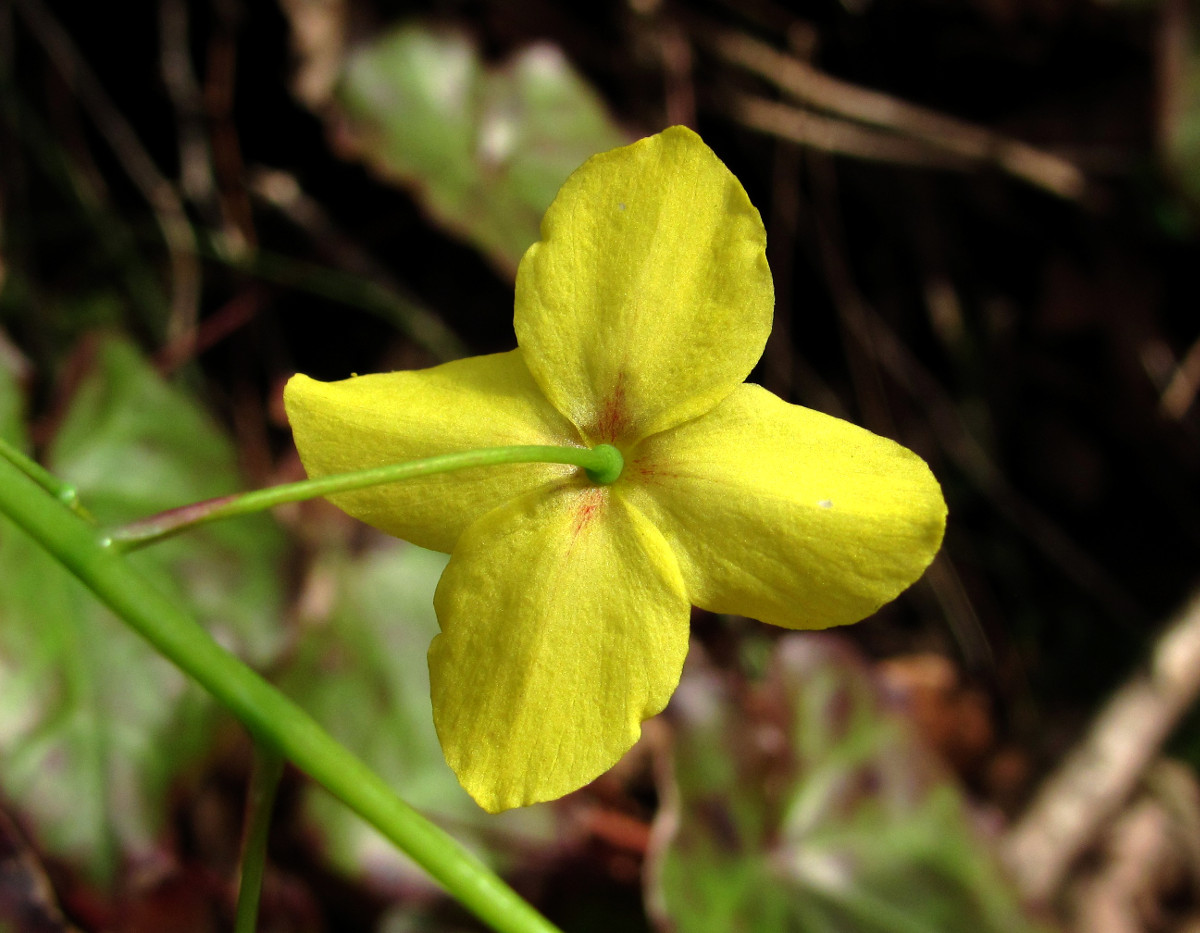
363,282
1181,391
1100,773
915,128
838,137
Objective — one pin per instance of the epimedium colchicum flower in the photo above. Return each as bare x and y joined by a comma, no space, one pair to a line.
564,609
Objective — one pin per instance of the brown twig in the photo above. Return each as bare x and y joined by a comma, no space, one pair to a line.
1139,861
229,168
377,290
175,66
836,136
1180,393
225,320
1100,773
918,127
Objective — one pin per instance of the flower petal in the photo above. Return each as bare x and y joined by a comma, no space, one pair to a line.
785,514
648,299
564,625
368,421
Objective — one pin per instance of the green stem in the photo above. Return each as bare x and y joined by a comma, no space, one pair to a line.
603,463
264,781
271,717
62,491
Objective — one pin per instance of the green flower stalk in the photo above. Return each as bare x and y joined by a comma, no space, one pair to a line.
276,722
564,608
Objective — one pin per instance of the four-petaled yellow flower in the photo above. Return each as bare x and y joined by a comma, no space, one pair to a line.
564,608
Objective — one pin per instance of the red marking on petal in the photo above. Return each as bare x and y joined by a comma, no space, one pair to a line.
614,417
652,471
587,509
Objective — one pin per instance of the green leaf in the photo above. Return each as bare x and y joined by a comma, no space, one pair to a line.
361,670
134,445
811,807
485,149
94,725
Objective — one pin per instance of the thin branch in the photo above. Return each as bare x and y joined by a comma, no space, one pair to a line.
838,137
267,713
953,137
1101,772
1180,393
359,280
175,64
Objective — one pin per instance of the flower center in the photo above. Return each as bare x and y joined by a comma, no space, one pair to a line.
607,465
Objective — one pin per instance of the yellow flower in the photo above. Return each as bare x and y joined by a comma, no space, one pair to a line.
564,608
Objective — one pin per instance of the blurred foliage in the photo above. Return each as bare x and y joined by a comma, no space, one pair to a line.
94,724
483,147
133,445
808,805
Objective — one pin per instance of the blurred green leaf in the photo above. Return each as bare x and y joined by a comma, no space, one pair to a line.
810,807
134,445
362,672
484,148
93,723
